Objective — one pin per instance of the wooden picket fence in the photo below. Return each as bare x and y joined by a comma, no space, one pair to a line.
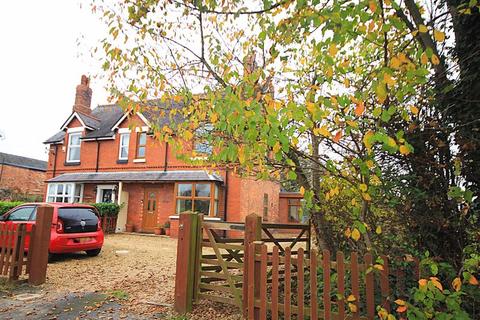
12,254
15,260
328,296
270,274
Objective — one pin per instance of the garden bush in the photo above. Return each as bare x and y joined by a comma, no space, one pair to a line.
107,209
7,205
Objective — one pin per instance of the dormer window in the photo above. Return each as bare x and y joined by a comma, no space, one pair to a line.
123,148
73,151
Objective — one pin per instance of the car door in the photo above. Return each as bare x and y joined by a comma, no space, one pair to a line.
23,214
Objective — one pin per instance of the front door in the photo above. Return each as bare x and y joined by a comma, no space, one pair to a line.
150,210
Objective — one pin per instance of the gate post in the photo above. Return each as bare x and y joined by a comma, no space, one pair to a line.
39,243
186,258
253,232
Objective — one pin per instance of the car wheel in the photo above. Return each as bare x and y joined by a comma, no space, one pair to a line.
94,252
51,257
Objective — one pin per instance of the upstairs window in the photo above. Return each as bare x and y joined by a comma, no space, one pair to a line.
201,145
123,149
73,152
141,145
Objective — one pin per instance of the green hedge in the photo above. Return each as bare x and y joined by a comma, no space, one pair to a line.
107,209
7,205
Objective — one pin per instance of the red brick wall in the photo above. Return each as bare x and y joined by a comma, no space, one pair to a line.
22,180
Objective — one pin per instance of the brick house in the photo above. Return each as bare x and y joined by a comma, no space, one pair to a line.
109,155
21,176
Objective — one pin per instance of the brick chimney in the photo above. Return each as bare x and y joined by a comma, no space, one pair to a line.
83,96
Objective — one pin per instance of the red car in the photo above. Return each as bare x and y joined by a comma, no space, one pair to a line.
75,227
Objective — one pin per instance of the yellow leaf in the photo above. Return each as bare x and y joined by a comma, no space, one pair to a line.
400,302
414,110
311,107
366,197
329,72
422,282
366,139
391,142
277,147
372,5
348,233
352,307
378,230
359,108
352,123
167,129
370,164
321,131
424,58
473,281
332,50
351,298
422,28
435,59
438,35
391,317
354,202
378,267
395,63
355,234
214,117
188,135
302,191
457,284
404,150
388,79
346,82
363,187
436,283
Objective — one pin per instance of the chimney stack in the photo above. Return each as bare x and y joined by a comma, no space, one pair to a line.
83,96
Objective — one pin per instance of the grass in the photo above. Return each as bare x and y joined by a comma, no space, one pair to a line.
118,294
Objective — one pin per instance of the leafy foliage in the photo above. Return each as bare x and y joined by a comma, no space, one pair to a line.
107,209
7,205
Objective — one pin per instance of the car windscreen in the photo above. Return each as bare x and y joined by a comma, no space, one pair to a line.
78,219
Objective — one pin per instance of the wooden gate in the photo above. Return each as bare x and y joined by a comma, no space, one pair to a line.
217,268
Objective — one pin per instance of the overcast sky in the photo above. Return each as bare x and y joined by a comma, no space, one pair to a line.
40,66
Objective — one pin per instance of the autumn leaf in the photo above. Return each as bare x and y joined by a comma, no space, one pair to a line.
404,150
401,309
302,190
366,197
214,117
378,230
311,107
352,307
422,28
414,110
422,282
348,233
355,234
424,58
321,131
378,267
359,109
388,79
435,59
351,298
395,63
372,6
188,135
457,284
436,283
338,136
332,50
400,302
363,187
472,280
438,35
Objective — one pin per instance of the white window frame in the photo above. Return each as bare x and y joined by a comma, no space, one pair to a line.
105,187
53,187
121,145
70,135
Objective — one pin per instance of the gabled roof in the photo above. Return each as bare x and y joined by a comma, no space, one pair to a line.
22,162
134,176
103,119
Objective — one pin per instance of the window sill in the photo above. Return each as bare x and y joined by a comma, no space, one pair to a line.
120,161
66,163
139,160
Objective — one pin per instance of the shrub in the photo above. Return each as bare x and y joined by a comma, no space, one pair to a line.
7,205
107,209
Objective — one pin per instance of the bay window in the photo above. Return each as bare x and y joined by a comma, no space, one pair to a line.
64,192
197,197
73,151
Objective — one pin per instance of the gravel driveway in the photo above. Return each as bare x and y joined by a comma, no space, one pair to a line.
132,278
